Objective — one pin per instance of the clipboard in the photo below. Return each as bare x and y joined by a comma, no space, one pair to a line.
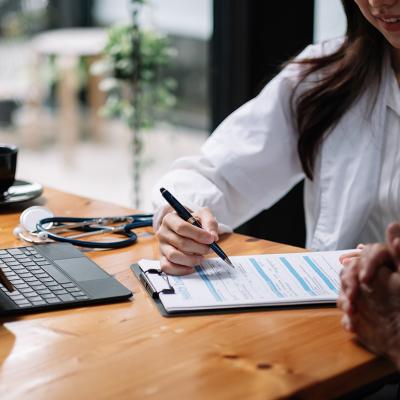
142,277
151,290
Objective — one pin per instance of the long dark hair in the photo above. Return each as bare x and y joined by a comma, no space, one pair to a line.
356,64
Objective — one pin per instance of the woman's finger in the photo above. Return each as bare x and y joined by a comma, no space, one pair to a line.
176,224
177,257
174,269
345,258
181,243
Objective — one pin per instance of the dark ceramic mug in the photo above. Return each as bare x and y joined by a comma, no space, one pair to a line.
8,164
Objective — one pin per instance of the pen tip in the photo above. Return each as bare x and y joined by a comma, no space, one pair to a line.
229,262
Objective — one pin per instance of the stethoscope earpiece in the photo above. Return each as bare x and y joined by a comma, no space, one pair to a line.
18,230
42,235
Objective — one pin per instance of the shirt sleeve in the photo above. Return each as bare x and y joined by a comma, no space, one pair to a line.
248,163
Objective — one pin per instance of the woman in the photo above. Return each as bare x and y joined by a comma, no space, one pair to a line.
332,117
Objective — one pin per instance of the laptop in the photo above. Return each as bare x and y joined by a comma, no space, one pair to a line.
52,276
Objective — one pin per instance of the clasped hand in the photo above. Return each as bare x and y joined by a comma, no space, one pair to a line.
370,296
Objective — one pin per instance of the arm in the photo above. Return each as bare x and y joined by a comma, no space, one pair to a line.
248,164
236,174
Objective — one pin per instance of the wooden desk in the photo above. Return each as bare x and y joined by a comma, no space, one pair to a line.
128,351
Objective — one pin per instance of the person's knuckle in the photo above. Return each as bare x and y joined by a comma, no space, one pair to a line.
159,234
198,236
194,260
180,228
169,252
203,249
180,243
163,249
186,245
166,219
175,255
167,269
164,263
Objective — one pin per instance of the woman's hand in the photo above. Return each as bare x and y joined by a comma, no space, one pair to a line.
183,245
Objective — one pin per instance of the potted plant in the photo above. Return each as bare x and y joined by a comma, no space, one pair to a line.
135,82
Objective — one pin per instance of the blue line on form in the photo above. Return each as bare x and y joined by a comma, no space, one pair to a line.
266,278
320,273
303,283
208,283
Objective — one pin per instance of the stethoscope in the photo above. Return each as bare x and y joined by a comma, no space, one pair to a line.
38,225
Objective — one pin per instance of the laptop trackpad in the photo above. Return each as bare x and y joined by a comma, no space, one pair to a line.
81,269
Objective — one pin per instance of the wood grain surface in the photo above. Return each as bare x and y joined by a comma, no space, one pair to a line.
129,351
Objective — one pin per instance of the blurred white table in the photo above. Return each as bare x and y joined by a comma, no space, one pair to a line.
69,46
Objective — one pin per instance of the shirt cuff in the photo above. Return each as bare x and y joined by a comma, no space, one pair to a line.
159,215
222,228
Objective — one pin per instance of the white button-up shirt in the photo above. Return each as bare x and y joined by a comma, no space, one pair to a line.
386,206
251,161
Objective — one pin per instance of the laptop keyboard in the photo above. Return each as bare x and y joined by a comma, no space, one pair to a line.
36,281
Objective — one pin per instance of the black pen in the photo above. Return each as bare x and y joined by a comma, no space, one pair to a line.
185,214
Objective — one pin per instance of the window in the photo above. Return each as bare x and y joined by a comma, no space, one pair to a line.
52,122
329,20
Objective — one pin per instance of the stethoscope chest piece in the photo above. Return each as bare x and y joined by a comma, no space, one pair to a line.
30,217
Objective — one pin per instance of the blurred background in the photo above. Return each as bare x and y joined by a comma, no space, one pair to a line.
226,50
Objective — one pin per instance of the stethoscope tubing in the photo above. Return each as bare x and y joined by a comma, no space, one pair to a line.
83,224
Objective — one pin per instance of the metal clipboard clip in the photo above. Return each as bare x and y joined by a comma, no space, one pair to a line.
154,293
